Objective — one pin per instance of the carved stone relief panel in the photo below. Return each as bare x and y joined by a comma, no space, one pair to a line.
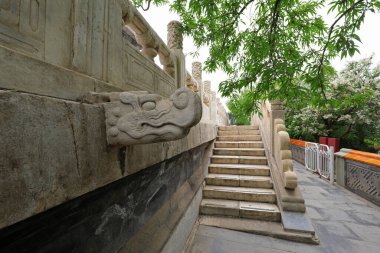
142,75
22,25
364,180
165,85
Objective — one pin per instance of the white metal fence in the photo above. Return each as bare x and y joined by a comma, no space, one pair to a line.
319,158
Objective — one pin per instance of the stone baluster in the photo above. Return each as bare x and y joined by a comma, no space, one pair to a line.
175,44
276,112
214,107
207,91
197,74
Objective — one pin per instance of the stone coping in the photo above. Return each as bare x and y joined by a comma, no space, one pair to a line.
363,157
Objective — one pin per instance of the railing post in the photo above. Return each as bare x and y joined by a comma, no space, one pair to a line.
175,43
196,71
331,164
276,112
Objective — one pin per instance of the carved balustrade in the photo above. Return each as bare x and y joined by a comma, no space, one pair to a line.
151,44
274,131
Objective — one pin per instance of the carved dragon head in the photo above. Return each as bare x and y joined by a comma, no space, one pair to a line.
146,118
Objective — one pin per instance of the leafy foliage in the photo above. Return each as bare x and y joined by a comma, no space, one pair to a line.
275,45
353,114
240,106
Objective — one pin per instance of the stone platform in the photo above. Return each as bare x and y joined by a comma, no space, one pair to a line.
343,221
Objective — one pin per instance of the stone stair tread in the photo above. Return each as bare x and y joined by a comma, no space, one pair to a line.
239,156
234,128
246,149
239,135
268,228
240,166
237,204
239,177
239,132
251,181
239,189
238,142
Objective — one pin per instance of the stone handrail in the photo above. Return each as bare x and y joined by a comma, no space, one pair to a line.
277,143
273,126
151,44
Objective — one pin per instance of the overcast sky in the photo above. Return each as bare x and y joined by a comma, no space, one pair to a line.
159,17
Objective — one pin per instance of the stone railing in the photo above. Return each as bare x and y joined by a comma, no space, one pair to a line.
277,143
85,45
359,172
273,127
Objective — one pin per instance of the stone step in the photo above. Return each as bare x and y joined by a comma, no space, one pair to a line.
240,151
272,229
229,159
240,132
239,169
239,180
239,193
239,144
241,209
234,128
239,138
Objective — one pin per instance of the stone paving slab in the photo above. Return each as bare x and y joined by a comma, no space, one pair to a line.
344,222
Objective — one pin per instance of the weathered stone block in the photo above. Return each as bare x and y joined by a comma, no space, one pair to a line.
51,151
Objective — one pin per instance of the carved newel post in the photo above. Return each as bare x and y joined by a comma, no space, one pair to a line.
276,112
191,83
197,74
175,43
281,144
213,107
207,91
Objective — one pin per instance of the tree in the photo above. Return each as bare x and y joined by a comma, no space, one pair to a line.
240,106
354,114
273,44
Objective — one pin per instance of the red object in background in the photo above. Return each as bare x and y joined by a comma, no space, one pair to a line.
323,140
333,142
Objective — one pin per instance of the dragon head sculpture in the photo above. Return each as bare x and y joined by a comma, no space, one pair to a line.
137,118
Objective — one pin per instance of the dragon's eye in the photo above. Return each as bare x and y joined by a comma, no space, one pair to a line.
148,106
181,101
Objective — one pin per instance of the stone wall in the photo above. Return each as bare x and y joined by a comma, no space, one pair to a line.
359,172
62,188
134,214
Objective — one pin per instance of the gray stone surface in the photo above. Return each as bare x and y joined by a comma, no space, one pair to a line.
179,235
54,150
343,221
148,118
134,214
294,221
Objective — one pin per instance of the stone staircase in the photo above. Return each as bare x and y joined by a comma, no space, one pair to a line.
239,191
239,183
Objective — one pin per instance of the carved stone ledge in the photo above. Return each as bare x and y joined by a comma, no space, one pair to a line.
139,117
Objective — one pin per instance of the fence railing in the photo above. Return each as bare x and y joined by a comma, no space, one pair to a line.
319,158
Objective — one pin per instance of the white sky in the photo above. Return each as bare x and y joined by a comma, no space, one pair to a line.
159,17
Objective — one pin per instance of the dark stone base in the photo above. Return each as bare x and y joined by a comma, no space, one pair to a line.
106,219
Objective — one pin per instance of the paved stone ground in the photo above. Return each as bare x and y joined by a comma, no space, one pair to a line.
344,222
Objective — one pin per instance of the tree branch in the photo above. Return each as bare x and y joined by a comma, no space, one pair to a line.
329,38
